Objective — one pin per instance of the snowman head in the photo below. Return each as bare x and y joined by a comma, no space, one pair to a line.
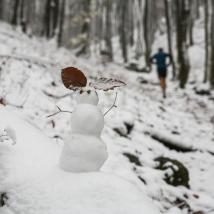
87,95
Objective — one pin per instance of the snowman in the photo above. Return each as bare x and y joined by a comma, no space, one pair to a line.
83,150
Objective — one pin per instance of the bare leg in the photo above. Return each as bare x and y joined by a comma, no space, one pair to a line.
163,86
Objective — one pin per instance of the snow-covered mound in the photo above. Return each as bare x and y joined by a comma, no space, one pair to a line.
36,185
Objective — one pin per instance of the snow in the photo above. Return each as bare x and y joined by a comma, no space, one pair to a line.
36,184
84,150
83,153
30,174
87,119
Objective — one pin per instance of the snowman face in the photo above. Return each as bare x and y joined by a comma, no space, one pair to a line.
87,96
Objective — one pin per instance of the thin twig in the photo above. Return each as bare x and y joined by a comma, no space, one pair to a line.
56,96
113,106
60,111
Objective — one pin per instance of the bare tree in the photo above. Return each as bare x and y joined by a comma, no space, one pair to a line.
191,22
212,47
61,22
85,31
122,8
51,17
146,32
108,29
139,28
169,36
182,16
150,27
14,20
206,32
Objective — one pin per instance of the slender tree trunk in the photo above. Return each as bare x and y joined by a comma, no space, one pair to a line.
169,37
51,17
212,48
15,13
55,16
182,50
191,22
122,29
1,8
108,34
146,32
206,32
139,42
61,22
23,16
47,18
131,23
85,28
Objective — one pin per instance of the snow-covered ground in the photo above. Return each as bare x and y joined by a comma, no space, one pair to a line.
142,128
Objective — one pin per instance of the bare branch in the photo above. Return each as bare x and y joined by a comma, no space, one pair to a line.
56,96
60,111
113,106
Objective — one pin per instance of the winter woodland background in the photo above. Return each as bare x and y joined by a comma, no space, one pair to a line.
164,147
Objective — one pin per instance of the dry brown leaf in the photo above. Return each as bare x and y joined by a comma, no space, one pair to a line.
73,78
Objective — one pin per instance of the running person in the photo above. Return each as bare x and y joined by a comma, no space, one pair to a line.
160,59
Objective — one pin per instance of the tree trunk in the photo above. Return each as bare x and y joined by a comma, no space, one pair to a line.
1,8
191,22
206,32
169,36
23,16
212,48
139,41
108,34
85,28
61,22
15,13
55,15
122,28
182,50
131,26
146,32
51,17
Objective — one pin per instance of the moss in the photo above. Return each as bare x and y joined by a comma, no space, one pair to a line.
180,174
3,198
133,158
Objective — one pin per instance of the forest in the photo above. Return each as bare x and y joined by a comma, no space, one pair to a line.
134,23
106,106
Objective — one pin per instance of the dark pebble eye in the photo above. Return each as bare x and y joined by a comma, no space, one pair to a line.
81,91
89,91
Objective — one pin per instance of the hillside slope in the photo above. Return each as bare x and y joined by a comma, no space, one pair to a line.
142,129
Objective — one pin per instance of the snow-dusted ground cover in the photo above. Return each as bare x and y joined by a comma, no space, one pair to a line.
30,178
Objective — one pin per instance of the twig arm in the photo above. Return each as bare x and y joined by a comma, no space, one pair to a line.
59,111
113,106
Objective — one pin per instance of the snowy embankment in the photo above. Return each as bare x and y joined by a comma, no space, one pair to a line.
34,183
142,129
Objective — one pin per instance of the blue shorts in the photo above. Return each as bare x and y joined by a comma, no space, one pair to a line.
162,72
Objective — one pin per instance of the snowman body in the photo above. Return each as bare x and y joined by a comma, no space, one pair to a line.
84,151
